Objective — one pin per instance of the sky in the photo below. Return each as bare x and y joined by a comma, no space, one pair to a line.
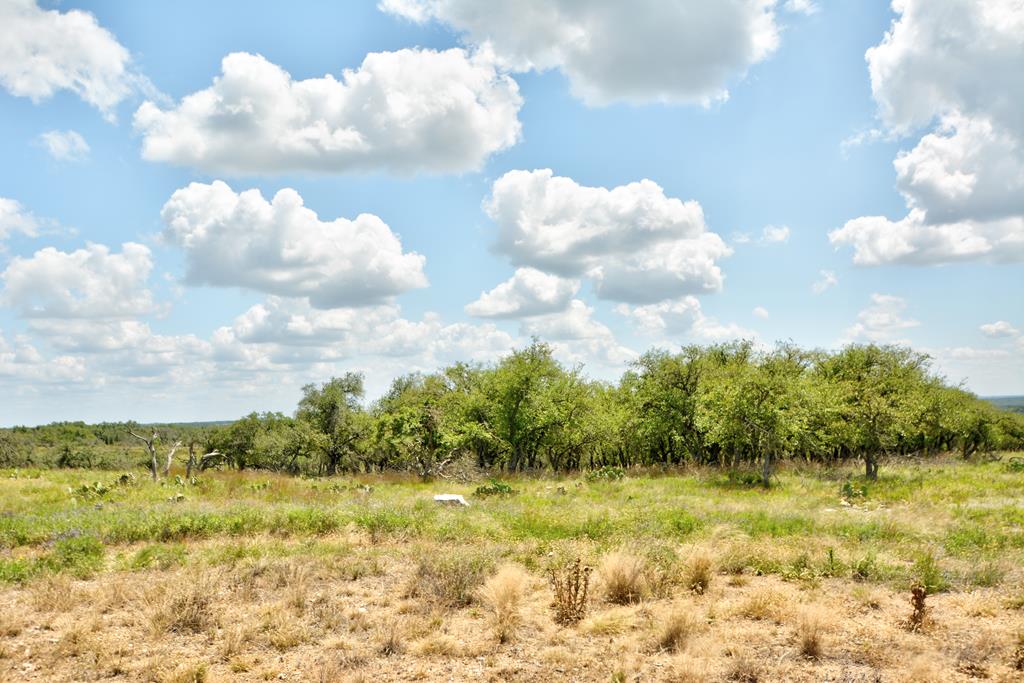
206,206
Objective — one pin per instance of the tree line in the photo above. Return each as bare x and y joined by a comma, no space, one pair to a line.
732,405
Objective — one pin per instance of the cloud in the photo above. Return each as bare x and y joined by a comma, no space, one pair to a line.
44,51
881,321
634,243
999,328
802,7
770,234
643,51
775,234
682,317
15,218
86,283
65,145
577,337
827,281
760,312
951,65
528,292
281,247
402,112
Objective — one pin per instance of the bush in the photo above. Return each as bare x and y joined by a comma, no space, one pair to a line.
450,580
81,555
606,473
493,487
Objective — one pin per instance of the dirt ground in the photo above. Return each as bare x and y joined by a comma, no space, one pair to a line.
365,617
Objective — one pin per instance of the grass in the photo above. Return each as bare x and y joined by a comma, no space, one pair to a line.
699,571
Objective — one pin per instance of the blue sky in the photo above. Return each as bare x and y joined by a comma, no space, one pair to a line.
826,198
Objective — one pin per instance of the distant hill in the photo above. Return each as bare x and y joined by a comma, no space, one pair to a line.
1015,404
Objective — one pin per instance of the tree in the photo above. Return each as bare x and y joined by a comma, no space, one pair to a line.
150,443
333,409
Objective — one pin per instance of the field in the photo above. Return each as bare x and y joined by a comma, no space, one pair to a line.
697,576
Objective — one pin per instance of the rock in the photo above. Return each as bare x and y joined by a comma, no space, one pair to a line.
450,499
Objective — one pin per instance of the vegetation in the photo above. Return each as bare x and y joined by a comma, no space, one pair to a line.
248,575
729,405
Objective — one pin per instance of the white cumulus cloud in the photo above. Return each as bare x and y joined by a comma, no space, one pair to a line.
15,218
281,247
405,111
881,321
65,145
641,51
528,292
44,51
999,328
86,283
682,317
634,243
954,66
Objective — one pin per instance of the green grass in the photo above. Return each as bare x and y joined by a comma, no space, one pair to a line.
946,523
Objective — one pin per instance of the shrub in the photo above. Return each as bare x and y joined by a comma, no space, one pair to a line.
606,473
81,555
493,487
928,573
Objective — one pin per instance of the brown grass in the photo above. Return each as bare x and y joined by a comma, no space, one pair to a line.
623,578
810,631
676,629
186,607
698,573
762,604
502,594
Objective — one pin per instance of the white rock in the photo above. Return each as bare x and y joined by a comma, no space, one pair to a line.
450,499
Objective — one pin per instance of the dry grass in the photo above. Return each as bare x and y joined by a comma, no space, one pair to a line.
185,607
762,604
810,631
675,630
623,578
502,594
391,639
449,580
698,573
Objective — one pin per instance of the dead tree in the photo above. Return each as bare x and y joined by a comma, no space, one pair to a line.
200,462
151,448
154,464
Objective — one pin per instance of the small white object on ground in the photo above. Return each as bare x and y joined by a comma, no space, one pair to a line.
450,499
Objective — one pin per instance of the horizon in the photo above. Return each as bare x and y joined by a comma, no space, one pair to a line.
389,187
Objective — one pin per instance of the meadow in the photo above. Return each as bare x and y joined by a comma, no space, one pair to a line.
691,574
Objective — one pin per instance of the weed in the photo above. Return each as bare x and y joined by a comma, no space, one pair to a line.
918,593
570,585
928,574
